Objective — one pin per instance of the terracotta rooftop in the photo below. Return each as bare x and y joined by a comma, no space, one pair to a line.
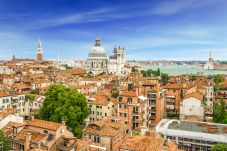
196,95
44,124
77,71
143,143
105,127
35,136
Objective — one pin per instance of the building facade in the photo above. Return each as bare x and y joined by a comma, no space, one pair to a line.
97,61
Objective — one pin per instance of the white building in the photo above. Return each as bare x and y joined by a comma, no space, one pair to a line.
210,64
5,70
97,61
192,135
97,58
192,106
116,61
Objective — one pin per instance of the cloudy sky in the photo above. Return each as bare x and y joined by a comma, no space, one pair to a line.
148,29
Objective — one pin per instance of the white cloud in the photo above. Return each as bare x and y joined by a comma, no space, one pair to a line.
176,6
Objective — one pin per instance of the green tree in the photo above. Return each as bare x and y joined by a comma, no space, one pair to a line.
66,104
34,91
217,80
164,78
135,70
115,93
90,74
219,112
158,72
5,143
150,73
67,66
29,97
219,147
102,73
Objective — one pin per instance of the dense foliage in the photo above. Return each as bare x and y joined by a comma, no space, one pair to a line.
5,143
220,114
164,78
135,70
66,104
90,74
67,66
217,80
114,93
150,73
223,62
219,147
35,91
29,97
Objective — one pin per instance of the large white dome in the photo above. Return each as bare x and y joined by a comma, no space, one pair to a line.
97,50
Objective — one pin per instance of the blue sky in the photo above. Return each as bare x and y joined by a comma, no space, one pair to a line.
148,29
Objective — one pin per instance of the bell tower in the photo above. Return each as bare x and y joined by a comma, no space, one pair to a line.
39,56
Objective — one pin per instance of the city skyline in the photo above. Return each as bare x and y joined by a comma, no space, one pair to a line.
147,29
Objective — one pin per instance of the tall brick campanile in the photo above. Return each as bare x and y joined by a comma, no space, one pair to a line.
39,52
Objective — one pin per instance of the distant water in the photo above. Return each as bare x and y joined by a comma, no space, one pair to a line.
180,70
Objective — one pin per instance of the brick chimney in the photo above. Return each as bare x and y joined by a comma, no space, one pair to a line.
28,138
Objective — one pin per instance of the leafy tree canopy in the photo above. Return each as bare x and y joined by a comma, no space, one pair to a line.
150,73
66,104
115,93
164,78
219,147
67,66
219,113
5,143
35,91
29,97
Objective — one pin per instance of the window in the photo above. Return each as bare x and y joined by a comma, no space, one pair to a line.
97,139
126,122
112,106
119,105
105,114
129,100
89,136
125,114
125,106
135,125
120,99
135,118
135,109
21,147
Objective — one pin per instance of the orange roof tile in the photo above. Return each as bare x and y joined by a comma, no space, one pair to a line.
44,124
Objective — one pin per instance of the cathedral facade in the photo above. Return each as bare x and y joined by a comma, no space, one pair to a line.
98,62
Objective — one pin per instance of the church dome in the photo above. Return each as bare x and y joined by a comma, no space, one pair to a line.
97,50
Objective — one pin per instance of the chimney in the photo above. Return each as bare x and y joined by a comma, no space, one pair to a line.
28,138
